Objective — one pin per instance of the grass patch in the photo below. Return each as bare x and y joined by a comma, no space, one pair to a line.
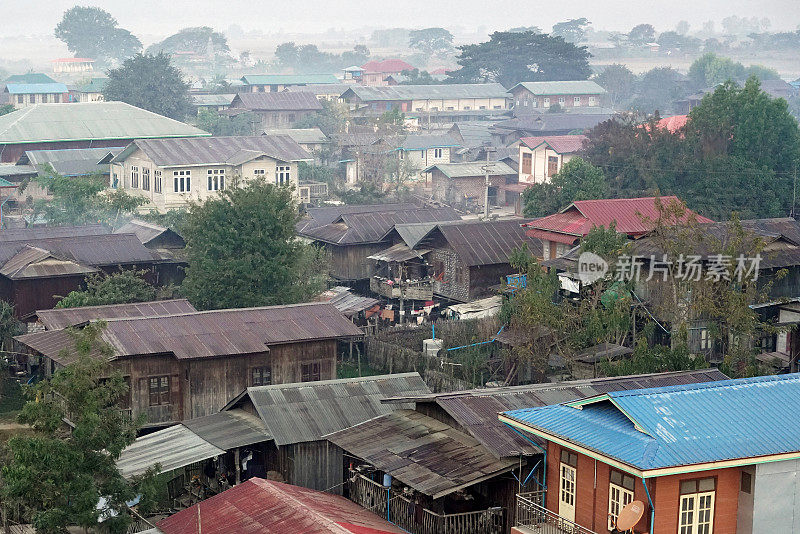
347,369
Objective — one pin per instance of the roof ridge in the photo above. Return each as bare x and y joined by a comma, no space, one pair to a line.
330,523
110,305
206,312
322,383
731,382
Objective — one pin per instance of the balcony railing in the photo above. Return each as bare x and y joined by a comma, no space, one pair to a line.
415,519
420,290
534,517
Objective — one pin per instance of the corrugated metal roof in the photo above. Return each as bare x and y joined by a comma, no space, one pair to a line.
30,77
421,452
283,101
58,318
473,134
213,100
399,252
34,262
487,242
301,135
320,89
554,122
576,87
473,168
258,506
229,429
173,447
95,85
427,92
17,171
476,410
216,150
144,230
386,66
603,352
426,141
562,144
682,425
47,232
346,302
321,216
413,233
88,121
73,161
90,250
306,411
35,88
289,79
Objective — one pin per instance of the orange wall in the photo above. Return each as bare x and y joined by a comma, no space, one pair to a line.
591,501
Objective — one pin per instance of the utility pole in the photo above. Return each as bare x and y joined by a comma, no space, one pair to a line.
794,190
486,169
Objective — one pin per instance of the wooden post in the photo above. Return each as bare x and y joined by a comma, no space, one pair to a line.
358,352
238,465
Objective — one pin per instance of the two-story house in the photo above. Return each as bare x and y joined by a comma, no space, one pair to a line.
540,158
539,96
275,110
273,83
171,172
376,73
463,185
419,152
430,99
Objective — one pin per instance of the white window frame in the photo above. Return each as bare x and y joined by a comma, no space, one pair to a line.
546,102
157,181
437,152
567,490
259,172
182,181
576,101
145,179
705,339
696,513
561,100
283,174
618,497
592,101
216,179
134,177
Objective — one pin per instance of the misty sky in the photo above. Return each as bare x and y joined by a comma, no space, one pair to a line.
154,17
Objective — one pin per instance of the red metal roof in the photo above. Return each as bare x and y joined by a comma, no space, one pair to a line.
631,215
673,124
260,506
387,66
563,144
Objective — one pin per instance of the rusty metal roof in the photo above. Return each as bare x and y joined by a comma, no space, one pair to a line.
487,242
189,151
476,410
229,429
398,253
279,101
144,230
359,228
259,506
45,232
58,318
306,411
316,217
58,345
346,302
34,262
430,456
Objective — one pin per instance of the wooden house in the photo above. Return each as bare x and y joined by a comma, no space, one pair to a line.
352,233
698,458
153,236
531,96
187,365
451,456
275,110
280,428
463,185
39,265
170,173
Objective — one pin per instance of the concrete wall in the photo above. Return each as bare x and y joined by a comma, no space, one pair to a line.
539,157
776,498
524,99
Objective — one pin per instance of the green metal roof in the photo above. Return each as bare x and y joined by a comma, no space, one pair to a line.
87,121
292,79
576,87
96,85
6,183
31,77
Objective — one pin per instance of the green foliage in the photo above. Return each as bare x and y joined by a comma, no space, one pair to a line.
116,288
58,474
9,325
679,41
656,359
331,120
572,31
200,40
605,242
150,82
368,193
577,180
710,70
308,59
657,90
418,77
222,125
78,200
174,218
93,33
619,82
431,41
641,34
507,58
5,109
242,250
308,172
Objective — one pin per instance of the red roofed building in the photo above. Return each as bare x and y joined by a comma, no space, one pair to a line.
261,506
542,157
375,72
563,230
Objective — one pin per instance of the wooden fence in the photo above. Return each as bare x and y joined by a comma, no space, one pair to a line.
412,517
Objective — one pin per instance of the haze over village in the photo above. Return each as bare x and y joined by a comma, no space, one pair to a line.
409,267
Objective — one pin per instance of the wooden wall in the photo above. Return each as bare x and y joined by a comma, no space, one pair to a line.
350,262
317,465
287,360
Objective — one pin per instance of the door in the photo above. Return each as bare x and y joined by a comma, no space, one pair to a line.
696,513
566,501
552,166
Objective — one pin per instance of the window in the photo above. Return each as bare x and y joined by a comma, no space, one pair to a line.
567,483
261,376
525,102
497,107
568,457
291,117
481,107
32,99
145,179
134,177
696,512
437,152
467,108
182,181
458,276
547,101
435,108
450,108
159,390
527,163
705,340
620,493
401,154
576,101
216,179
20,99
592,101
282,174
56,98
747,482
114,180
156,181
310,372
259,172
561,100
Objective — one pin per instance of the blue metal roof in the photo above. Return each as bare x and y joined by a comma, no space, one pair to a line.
35,88
680,425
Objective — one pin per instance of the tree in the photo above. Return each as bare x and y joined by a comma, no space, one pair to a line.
9,325
201,40
331,119
682,27
222,125
642,34
357,56
77,200
676,40
657,90
242,250
510,58
5,109
573,30
93,33
150,82
59,473
431,41
418,77
619,82
116,288
709,70
577,180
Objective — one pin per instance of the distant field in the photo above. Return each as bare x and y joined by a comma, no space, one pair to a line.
788,66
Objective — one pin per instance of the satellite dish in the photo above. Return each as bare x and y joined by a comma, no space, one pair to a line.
630,515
